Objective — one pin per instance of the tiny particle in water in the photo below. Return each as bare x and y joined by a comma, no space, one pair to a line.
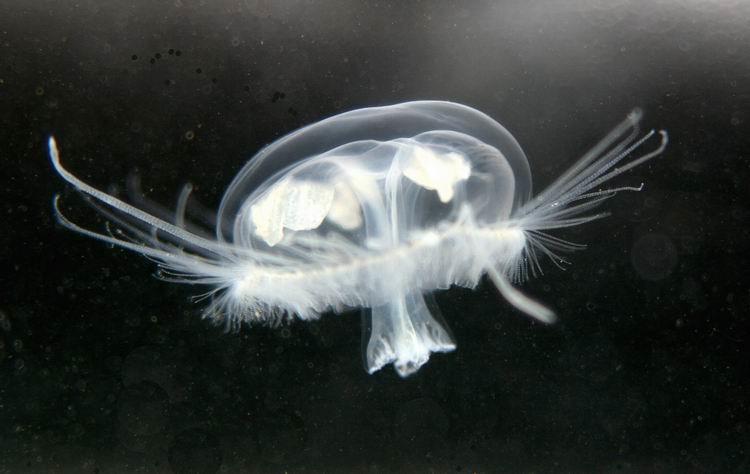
171,51
178,53
167,82
157,55
152,60
247,88
189,135
134,57
39,90
214,80
198,71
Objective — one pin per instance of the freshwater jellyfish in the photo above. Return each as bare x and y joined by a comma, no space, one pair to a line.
375,209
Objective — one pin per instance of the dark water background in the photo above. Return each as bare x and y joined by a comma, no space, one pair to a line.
103,368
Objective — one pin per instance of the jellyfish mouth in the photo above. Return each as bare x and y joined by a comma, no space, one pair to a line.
404,333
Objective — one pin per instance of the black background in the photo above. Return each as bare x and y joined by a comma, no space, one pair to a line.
104,368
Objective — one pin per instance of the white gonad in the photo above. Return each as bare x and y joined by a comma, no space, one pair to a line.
374,209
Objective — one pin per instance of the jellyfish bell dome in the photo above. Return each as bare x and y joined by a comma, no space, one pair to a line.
360,137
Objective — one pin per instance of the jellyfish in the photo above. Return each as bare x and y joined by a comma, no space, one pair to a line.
376,208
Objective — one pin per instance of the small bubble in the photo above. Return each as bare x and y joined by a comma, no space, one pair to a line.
198,71
286,333
235,42
171,51
214,80
39,90
189,135
152,60
154,319
17,345
134,57
157,55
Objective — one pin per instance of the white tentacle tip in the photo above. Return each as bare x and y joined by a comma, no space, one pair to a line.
52,146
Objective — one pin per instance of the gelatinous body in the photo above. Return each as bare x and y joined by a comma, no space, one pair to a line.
375,208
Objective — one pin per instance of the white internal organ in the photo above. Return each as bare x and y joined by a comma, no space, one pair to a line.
302,205
291,204
439,172
345,210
